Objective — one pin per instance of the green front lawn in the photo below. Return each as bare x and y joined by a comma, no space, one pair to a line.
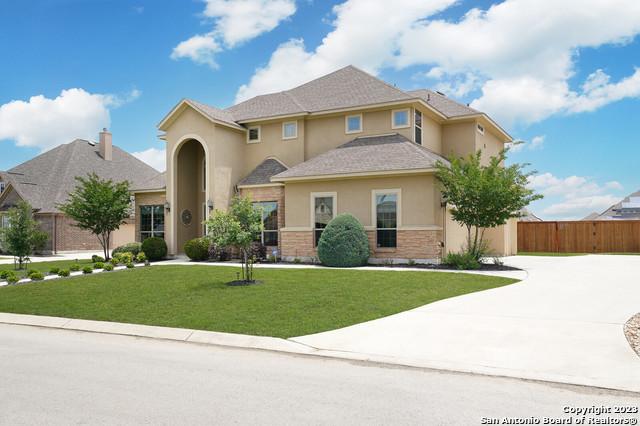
290,302
44,267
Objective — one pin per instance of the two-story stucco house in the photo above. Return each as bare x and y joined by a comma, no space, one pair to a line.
345,142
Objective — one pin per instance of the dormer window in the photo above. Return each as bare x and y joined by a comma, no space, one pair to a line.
480,128
353,123
253,135
400,118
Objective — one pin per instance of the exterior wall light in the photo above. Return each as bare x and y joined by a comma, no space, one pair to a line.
210,204
167,206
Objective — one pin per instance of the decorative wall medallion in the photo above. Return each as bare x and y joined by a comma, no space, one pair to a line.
186,217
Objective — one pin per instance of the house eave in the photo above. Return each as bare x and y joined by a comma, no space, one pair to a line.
355,175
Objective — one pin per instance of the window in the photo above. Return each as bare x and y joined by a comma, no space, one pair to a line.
253,135
386,213
2,186
400,118
353,123
290,130
151,221
417,121
269,209
480,129
4,221
323,209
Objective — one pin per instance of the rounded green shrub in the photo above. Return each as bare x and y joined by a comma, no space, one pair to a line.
31,271
115,260
107,267
97,259
75,267
64,273
462,261
4,274
344,243
36,276
134,248
197,249
155,248
12,278
130,265
54,270
141,257
87,270
98,265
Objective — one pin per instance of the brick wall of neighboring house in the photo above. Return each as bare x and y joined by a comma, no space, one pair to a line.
269,193
417,245
65,235
147,199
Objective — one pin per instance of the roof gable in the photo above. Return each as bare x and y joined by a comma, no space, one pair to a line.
263,173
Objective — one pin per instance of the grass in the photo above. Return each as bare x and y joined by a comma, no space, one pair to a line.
288,303
44,267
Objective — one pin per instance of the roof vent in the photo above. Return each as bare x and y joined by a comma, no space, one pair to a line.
92,143
440,93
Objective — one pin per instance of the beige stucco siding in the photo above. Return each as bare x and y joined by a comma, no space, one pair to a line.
489,144
419,200
288,151
458,139
431,131
149,199
229,165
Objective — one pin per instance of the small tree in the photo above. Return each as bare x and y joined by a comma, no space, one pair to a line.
23,236
238,228
98,205
484,196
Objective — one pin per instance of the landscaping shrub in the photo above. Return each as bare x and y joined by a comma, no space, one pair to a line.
155,248
220,254
64,273
54,270
4,274
344,243
97,259
75,267
108,267
115,260
197,249
258,250
462,261
130,265
12,278
125,258
98,265
87,270
31,271
133,248
36,276
141,257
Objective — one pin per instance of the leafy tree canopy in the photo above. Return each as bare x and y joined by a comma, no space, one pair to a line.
23,236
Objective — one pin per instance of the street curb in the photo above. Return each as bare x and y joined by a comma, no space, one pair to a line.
291,346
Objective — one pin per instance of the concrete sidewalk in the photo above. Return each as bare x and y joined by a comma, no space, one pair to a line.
8,260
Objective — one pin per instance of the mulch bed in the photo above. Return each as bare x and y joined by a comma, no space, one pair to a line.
242,283
632,331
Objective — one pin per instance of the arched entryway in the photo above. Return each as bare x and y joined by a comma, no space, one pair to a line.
190,192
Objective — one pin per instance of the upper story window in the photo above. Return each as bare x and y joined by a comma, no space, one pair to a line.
480,128
400,118
323,209
353,123
2,186
253,135
417,121
290,130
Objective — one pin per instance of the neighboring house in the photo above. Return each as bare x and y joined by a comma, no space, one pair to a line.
527,216
46,181
345,142
627,209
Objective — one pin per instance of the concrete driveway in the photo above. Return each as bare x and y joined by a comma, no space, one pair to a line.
563,323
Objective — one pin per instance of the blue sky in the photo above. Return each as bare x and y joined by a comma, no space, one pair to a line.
562,79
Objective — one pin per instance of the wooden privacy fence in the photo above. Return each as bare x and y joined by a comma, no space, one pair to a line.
584,236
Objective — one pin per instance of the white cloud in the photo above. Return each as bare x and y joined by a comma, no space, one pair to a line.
365,34
574,197
201,49
154,157
45,123
235,22
519,55
537,142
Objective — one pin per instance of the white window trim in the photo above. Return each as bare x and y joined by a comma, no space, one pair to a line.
393,118
312,209
205,216
289,137
346,124
415,126
259,134
376,192
277,230
480,128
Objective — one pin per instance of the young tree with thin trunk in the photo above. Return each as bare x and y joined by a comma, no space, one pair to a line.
484,196
23,236
99,206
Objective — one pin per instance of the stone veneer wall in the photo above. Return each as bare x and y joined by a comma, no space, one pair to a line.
269,193
421,246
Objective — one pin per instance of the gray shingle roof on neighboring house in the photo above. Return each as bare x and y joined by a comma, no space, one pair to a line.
365,155
626,209
157,182
263,172
46,180
446,106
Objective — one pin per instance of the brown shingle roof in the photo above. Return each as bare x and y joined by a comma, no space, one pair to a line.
46,180
367,154
263,172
